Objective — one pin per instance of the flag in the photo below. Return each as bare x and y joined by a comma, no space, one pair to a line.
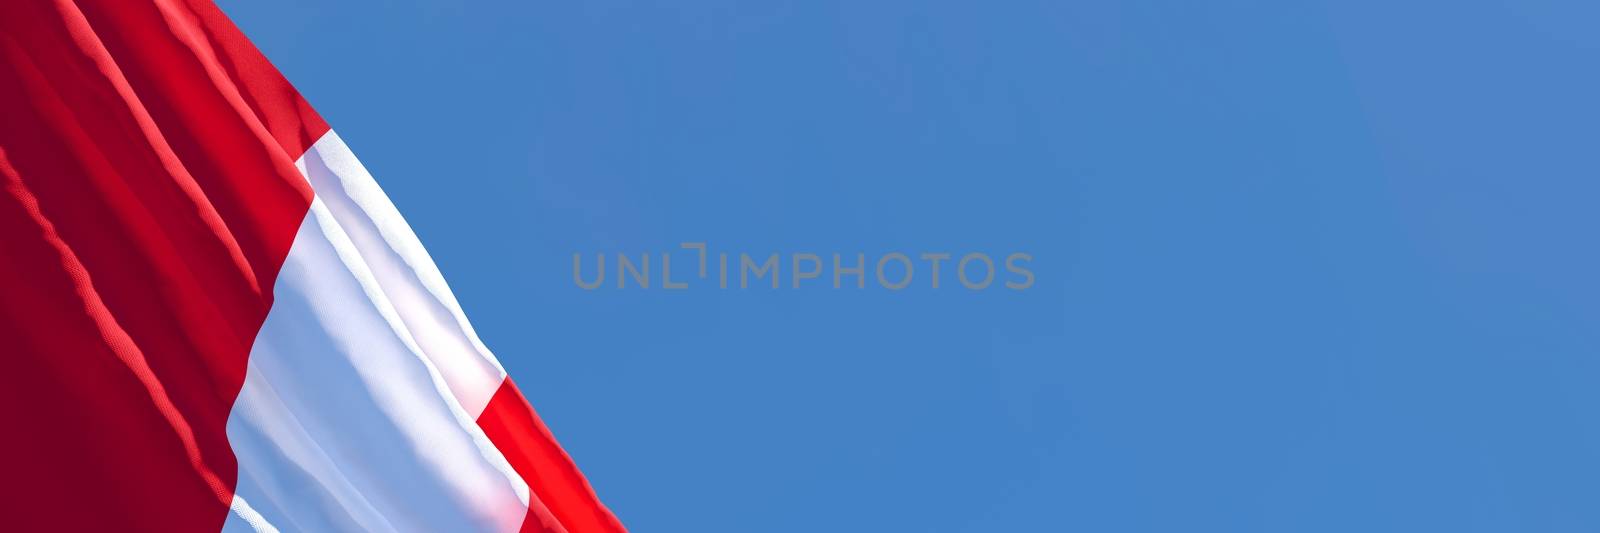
212,318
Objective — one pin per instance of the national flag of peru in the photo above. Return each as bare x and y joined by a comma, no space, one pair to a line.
211,317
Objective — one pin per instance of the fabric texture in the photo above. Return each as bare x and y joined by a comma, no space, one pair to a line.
210,314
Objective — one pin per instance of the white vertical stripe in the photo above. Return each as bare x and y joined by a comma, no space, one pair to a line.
358,411
404,271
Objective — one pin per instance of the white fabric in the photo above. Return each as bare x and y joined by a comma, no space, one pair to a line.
358,411
404,271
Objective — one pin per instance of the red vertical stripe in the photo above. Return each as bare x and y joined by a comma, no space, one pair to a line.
148,196
515,428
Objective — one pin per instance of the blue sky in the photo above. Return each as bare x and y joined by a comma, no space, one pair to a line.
1301,266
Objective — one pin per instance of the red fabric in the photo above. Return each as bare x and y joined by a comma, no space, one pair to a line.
148,196
558,486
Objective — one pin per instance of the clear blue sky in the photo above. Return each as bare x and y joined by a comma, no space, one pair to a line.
1318,266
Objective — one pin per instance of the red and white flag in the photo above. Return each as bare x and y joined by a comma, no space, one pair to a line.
212,318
